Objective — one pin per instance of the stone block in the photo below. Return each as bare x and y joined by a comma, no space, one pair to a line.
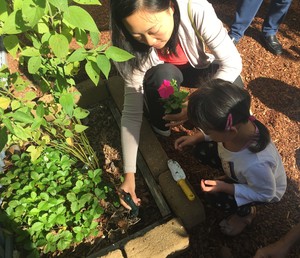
162,241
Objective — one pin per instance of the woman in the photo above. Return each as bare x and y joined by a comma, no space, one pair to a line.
160,34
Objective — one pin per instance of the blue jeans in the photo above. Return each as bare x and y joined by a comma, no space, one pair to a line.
246,11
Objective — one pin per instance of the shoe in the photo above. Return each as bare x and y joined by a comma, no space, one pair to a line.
235,224
165,133
272,44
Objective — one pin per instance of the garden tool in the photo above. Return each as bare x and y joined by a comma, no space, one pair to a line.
179,176
134,212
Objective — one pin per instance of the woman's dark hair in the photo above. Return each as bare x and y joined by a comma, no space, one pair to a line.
210,106
119,10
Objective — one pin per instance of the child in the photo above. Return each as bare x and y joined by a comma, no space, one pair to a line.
252,165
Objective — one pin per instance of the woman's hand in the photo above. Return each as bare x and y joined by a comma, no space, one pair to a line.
215,186
176,119
129,187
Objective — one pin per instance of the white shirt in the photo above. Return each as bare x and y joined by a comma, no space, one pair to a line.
260,176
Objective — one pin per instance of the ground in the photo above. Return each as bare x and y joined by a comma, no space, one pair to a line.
274,85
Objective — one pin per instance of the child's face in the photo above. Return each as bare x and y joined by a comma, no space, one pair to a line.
152,29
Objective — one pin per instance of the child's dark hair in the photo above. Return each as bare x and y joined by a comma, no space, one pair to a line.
119,10
210,106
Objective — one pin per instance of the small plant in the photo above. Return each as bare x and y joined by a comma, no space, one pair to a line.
52,200
171,96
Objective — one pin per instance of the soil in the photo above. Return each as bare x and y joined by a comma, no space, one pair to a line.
274,85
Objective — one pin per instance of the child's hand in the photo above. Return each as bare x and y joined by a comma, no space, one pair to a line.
184,141
209,185
215,186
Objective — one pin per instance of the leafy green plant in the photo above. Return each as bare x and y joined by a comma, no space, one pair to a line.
39,35
52,200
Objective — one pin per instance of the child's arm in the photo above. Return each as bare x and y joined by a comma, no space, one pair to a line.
281,248
187,140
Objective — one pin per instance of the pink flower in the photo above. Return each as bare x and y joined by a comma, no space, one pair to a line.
165,90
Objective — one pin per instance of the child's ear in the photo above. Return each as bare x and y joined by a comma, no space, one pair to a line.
233,130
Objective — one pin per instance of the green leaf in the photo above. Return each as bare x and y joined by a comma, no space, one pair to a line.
59,45
30,95
15,185
79,237
15,104
81,37
93,71
74,207
95,38
34,64
22,117
13,203
117,54
61,219
35,176
81,113
11,44
8,124
78,55
14,23
4,102
60,4
43,206
34,212
37,226
80,128
3,138
67,102
65,241
33,11
78,17
71,197
104,65
40,110
30,51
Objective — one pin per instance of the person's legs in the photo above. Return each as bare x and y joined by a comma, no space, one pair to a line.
154,77
245,12
277,11
275,16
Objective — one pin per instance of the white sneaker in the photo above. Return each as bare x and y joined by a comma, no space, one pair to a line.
165,133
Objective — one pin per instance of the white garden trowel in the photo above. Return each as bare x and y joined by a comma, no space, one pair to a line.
179,176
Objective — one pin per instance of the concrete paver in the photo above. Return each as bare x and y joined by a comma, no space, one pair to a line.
159,242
